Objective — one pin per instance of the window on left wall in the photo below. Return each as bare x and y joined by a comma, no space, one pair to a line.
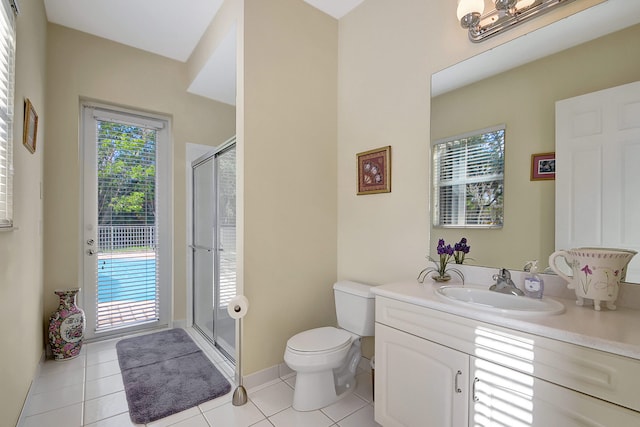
8,12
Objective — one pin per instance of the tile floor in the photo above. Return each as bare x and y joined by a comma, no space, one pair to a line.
88,391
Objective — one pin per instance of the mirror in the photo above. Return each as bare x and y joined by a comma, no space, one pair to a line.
523,99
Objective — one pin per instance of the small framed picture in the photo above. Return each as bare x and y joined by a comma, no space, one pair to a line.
30,132
543,166
374,171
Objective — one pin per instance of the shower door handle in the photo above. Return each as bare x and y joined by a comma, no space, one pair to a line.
202,248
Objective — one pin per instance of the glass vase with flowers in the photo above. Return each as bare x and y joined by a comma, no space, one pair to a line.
446,254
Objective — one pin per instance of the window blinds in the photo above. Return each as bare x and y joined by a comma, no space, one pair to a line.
127,224
468,174
7,55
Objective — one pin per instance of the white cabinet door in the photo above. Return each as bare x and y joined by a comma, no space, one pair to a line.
419,383
597,173
503,397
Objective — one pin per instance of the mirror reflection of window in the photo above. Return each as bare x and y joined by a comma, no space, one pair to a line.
468,179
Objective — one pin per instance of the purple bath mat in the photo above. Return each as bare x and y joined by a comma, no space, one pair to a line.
165,373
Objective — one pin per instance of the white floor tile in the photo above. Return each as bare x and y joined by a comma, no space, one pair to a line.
69,416
175,418
344,407
96,347
103,386
292,418
102,370
273,399
199,421
234,416
50,400
219,401
52,382
61,366
105,407
57,397
361,418
121,420
106,355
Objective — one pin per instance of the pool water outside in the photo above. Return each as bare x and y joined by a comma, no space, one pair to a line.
126,279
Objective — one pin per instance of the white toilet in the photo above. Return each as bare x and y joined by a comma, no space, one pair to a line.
325,359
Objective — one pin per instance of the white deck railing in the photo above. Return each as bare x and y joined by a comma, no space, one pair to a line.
118,237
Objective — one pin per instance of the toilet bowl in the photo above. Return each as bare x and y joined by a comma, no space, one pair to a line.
321,359
326,359
318,349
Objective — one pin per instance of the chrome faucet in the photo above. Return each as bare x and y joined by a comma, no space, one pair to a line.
504,284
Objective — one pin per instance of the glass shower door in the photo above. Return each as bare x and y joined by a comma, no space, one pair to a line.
203,246
214,247
225,256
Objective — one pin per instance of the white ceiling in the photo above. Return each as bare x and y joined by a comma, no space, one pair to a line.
168,28
173,29
335,8
165,27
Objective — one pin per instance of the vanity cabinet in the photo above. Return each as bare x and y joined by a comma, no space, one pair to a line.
437,369
503,397
418,382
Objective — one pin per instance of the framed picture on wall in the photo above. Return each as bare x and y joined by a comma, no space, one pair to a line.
543,166
374,171
30,132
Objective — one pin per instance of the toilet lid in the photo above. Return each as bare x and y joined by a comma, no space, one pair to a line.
320,339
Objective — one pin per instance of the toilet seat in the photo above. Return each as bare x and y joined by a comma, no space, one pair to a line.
319,340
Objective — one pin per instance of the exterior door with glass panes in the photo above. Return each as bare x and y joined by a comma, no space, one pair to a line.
126,239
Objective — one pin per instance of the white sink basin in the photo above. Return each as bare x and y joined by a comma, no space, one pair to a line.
485,299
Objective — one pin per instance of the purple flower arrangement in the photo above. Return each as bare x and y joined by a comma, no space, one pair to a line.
460,249
446,253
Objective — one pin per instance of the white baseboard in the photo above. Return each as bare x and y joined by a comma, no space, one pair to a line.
182,324
261,377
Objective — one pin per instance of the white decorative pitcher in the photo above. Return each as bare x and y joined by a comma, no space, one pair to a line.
597,273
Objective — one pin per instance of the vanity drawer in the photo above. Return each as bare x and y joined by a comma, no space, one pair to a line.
600,374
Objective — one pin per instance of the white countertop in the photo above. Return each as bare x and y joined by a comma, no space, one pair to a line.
612,331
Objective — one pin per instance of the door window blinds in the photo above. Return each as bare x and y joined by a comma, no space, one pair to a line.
128,282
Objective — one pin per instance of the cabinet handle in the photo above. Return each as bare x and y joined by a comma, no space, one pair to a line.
473,391
457,387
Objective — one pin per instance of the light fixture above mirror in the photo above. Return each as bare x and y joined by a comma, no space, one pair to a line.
505,15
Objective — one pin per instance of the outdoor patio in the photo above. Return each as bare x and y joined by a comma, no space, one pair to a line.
120,313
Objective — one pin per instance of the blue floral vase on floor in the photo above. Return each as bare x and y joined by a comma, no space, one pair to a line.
66,326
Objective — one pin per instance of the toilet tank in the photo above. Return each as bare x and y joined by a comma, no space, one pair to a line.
355,307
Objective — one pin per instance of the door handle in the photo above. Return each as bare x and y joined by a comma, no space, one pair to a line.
476,380
455,385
